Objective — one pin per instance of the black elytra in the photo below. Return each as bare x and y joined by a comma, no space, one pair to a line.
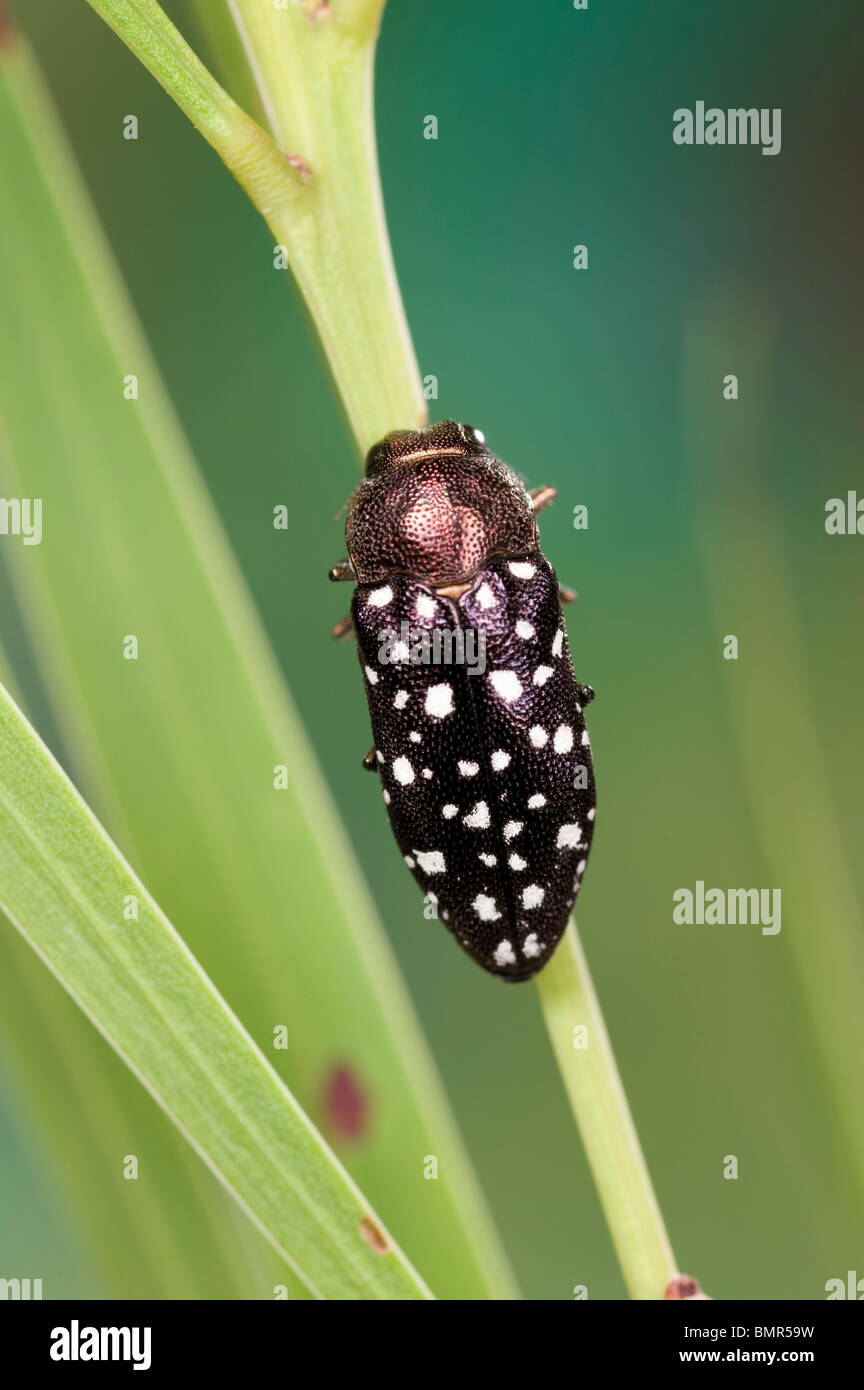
480,739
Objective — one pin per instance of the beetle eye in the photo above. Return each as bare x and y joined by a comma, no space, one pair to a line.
477,435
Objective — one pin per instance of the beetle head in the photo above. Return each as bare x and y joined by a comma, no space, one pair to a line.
436,504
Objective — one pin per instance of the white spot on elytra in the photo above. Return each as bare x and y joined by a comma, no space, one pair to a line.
500,760
504,954
414,736
569,836
427,773
585,739
386,796
592,813
516,862
478,818
506,684
400,652
403,771
379,755
558,643
488,859
431,861
532,896
523,569
449,811
580,867
426,606
486,908
563,740
485,597
409,861
538,736
400,699
536,801
542,674
512,828
531,946
524,629
439,700
469,769
371,676
379,597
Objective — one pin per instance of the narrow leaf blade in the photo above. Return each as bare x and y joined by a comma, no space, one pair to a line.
65,886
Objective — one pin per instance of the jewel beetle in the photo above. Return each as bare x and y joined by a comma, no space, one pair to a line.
480,742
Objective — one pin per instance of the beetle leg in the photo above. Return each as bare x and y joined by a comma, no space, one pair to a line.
370,762
586,694
566,595
342,572
542,496
344,628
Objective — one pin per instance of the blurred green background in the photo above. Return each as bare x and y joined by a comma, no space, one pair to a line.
555,128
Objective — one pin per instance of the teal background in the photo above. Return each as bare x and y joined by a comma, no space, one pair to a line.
555,129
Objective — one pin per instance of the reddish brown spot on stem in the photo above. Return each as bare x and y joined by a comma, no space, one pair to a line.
303,167
682,1286
346,1104
5,27
374,1235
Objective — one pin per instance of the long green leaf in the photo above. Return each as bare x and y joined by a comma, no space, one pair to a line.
172,1233
70,893
177,749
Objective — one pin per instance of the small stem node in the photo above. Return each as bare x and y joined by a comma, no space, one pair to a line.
683,1287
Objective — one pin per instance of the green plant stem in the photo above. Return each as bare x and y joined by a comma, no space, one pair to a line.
316,82
584,1052
316,183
